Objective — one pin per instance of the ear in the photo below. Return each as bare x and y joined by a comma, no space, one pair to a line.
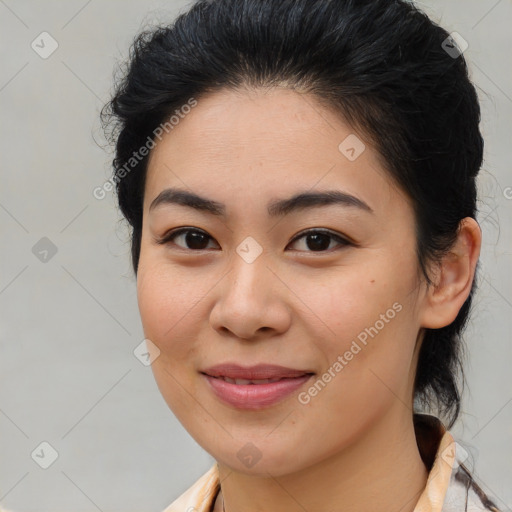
454,278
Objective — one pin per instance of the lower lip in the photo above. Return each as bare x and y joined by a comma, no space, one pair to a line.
255,396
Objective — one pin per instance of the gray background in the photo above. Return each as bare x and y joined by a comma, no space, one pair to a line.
69,325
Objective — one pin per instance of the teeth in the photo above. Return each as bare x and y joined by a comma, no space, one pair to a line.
245,381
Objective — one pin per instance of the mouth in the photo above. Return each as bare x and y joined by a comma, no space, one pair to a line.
245,382
253,374
245,388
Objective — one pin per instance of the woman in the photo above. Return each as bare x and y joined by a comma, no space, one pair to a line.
299,176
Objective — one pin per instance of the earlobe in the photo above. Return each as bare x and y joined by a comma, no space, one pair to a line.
454,277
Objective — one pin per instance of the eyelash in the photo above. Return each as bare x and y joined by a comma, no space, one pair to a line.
170,236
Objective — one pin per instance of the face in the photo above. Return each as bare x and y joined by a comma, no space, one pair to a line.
328,288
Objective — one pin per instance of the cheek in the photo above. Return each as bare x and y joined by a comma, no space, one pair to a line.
367,320
169,306
345,305
169,313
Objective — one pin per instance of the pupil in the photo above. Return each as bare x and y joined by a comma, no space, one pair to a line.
193,240
317,241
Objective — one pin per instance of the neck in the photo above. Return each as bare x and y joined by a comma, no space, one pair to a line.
383,470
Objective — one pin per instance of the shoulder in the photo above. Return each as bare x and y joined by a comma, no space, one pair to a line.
200,496
463,490
450,486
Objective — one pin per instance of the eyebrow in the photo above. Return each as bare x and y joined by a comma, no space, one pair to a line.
275,208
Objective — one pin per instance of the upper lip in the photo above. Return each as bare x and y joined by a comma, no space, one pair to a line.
259,371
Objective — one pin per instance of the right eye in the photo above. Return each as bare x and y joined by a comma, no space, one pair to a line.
193,238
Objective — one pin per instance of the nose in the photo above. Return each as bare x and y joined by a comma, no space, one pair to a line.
251,301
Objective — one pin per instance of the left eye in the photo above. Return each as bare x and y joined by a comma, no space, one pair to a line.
315,240
320,240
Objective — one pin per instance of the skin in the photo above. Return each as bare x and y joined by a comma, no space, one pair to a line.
352,447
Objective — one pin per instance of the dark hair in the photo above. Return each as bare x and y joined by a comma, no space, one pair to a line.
382,65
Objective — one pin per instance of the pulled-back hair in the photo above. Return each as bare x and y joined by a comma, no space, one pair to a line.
382,65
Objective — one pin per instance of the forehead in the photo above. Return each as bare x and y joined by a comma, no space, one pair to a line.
241,146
